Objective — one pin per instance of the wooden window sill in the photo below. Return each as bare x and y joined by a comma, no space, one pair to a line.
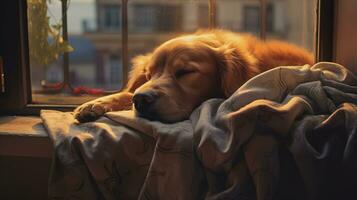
24,136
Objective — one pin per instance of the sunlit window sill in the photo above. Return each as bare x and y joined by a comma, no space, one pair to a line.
24,136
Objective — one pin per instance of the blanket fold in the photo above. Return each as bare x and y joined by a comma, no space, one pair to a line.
288,133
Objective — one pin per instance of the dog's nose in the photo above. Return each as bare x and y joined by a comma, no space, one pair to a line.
143,101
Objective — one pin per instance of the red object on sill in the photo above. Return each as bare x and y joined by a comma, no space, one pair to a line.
84,90
51,88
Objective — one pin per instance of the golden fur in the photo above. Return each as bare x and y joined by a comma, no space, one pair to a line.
190,69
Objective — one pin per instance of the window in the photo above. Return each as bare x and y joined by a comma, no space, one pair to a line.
151,18
115,69
147,21
77,50
173,18
251,19
111,17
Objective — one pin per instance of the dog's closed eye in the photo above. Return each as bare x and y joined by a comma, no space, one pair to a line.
183,72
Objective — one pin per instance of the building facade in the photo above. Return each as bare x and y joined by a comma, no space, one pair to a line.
153,21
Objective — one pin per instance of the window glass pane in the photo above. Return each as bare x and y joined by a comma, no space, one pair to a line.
152,22
293,21
239,15
94,46
289,20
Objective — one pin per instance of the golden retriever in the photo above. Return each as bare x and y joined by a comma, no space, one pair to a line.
169,83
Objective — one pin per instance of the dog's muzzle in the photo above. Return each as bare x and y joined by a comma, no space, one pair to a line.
144,103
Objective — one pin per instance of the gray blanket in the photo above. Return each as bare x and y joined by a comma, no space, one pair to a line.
289,133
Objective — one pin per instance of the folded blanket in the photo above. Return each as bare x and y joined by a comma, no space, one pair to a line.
288,133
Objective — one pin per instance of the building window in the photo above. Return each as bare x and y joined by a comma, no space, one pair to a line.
173,16
149,18
251,19
115,69
112,17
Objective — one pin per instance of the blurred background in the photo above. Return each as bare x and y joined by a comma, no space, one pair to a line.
95,30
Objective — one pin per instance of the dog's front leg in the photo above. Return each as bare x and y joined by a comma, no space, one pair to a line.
92,110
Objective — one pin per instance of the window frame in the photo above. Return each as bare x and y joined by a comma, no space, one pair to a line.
325,41
12,46
14,50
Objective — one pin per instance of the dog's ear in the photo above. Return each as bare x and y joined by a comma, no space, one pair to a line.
235,66
138,74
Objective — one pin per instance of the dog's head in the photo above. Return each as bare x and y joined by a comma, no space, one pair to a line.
179,75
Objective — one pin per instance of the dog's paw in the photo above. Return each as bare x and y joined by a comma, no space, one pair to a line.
91,111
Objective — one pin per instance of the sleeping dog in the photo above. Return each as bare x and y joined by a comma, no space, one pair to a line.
170,82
